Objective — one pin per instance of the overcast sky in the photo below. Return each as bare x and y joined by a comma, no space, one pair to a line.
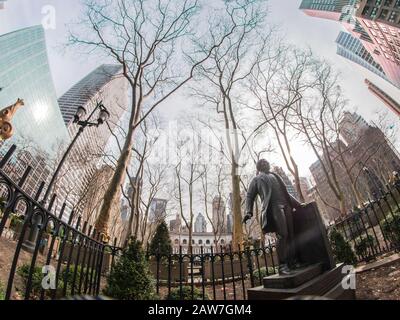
68,68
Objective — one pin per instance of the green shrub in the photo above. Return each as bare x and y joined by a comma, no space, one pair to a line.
68,278
2,292
186,294
16,220
391,228
130,279
363,244
263,271
341,249
37,277
161,242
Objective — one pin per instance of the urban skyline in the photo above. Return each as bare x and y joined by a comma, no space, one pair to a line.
296,28
195,150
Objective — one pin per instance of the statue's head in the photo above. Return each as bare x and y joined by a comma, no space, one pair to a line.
262,166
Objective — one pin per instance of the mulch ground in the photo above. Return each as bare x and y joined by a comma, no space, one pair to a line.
382,283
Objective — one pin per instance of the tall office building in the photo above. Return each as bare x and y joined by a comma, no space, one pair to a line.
351,48
375,23
25,74
218,214
103,84
38,125
229,223
384,97
370,160
289,185
158,210
381,20
326,9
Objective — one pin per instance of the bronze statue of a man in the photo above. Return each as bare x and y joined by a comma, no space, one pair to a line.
276,213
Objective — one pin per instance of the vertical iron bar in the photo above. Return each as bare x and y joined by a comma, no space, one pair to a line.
203,289
379,224
78,265
7,156
212,272
180,273
222,258
231,256
241,272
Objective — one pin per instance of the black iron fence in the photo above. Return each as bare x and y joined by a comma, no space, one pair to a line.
374,229
222,274
43,256
49,253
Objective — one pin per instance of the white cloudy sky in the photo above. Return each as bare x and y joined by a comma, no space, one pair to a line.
67,67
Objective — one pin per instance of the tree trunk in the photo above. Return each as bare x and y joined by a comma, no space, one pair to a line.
298,187
342,204
237,238
110,196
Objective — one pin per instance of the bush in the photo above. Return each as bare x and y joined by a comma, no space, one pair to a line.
161,242
37,277
2,292
68,278
16,221
341,249
391,228
263,272
130,279
364,244
186,294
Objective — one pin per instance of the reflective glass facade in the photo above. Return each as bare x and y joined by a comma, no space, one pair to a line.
25,74
351,48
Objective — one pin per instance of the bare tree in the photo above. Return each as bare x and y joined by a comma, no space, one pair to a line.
147,39
317,119
221,81
187,174
214,186
277,83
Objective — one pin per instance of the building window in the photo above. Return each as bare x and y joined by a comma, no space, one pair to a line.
176,241
184,241
222,241
200,241
207,241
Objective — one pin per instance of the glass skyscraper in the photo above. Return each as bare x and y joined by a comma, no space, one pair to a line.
352,49
25,74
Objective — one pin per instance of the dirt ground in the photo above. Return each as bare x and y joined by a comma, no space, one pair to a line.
382,283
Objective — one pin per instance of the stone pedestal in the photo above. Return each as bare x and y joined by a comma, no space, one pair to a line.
309,281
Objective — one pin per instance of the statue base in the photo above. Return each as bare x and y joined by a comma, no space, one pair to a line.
309,281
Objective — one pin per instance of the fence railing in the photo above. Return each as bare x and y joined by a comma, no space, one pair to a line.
225,274
48,257
374,229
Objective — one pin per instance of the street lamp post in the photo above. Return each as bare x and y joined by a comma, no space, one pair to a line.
80,113
104,115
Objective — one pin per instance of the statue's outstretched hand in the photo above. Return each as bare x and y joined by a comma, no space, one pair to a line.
247,217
